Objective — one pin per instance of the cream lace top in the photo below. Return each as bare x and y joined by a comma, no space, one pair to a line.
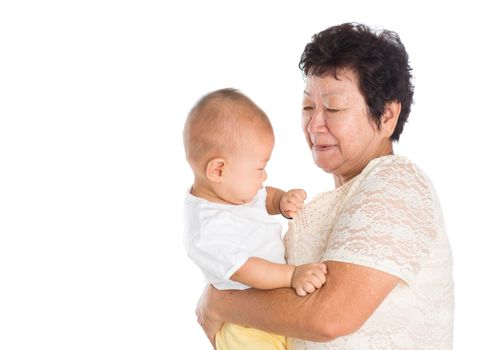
387,218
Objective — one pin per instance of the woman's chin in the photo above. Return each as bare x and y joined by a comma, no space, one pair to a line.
327,165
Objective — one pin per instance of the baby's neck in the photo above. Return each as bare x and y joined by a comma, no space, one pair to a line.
207,193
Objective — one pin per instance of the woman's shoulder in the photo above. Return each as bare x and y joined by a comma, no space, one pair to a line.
392,167
393,173
386,173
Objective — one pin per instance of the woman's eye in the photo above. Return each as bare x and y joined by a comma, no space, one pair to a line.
331,110
307,108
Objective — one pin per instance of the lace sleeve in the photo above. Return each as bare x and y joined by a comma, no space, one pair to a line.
388,224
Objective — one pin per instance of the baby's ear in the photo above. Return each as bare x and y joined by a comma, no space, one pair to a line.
214,170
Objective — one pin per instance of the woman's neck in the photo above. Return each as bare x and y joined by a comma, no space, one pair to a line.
341,179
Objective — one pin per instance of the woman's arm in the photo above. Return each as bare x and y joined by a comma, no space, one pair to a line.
351,294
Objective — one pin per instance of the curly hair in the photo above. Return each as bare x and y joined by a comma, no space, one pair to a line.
378,59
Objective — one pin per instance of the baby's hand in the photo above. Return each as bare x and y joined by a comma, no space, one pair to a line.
309,277
291,202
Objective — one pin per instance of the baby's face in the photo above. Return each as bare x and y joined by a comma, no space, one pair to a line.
246,171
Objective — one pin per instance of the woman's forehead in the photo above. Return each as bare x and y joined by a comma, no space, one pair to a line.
343,85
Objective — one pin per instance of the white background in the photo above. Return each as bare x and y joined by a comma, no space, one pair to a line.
93,97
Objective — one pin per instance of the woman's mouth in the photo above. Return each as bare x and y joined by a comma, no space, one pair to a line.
322,148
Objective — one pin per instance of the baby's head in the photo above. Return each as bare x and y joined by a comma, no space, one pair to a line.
228,140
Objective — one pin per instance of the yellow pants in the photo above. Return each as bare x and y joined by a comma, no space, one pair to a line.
234,337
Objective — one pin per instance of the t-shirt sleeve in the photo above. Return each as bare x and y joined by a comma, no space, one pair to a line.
388,224
218,249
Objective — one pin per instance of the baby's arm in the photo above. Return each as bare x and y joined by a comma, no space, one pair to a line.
263,274
285,203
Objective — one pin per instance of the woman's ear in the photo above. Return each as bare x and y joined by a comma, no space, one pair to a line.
390,117
215,169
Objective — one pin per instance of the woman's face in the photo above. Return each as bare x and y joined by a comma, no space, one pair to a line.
335,120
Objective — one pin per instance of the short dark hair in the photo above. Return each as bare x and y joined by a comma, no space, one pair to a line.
378,59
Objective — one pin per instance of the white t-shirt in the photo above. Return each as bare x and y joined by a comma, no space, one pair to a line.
387,218
220,238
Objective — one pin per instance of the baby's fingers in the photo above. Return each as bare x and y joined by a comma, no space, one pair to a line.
298,198
299,194
321,267
308,287
315,281
300,291
319,276
290,210
289,206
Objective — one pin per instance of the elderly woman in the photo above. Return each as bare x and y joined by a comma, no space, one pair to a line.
380,231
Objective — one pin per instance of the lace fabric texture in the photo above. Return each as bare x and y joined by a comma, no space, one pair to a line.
387,218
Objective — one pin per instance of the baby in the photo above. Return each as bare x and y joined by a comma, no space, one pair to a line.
229,232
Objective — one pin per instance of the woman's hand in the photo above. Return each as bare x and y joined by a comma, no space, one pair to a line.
210,324
291,202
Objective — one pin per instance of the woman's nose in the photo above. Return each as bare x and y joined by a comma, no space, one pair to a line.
317,123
